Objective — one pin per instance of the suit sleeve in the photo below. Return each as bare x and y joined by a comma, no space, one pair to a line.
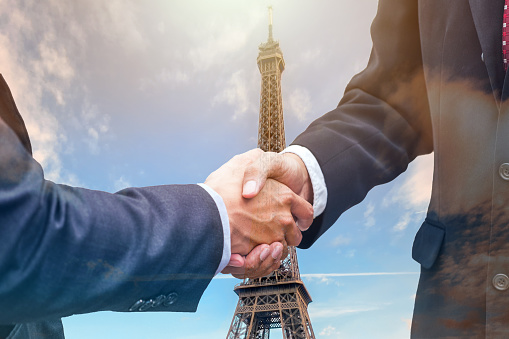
382,122
67,250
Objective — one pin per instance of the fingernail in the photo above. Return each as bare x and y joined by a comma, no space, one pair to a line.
249,187
276,254
235,263
301,227
264,254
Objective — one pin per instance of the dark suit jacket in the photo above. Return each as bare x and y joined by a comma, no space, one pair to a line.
67,250
434,81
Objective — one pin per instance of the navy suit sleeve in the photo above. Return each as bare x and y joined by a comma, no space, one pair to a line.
67,250
382,122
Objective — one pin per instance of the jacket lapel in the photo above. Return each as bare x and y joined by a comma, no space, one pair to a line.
487,16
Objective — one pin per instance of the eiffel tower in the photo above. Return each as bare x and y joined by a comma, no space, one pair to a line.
280,299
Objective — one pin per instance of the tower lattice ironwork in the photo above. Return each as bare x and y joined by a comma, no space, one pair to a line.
280,299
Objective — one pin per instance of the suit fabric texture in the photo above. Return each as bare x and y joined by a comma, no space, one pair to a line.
434,82
68,250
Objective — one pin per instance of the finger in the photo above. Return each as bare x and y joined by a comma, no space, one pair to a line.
253,260
236,265
237,260
257,173
286,250
302,211
260,263
293,234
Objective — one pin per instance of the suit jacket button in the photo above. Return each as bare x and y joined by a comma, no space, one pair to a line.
170,299
503,171
136,305
501,282
159,301
482,57
146,305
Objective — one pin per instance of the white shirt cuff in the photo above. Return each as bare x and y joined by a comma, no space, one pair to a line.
315,174
226,226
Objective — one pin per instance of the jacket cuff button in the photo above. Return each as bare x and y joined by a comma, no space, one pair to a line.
136,305
170,299
146,305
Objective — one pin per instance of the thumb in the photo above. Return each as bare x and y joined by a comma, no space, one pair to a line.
268,165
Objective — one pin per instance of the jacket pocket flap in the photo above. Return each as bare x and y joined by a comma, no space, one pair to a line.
427,243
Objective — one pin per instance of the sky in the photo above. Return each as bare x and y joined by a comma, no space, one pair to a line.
124,93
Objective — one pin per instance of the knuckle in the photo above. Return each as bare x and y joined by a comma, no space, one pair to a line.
286,221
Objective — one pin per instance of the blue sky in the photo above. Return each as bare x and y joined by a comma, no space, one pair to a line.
123,93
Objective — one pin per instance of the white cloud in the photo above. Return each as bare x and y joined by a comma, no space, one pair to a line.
350,254
363,274
340,240
311,55
317,311
117,19
216,41
235,93
321,276
96,123
27,87
323,279
413,195
298,104
121,183
403,222
171,77
330,331
415,192
368,215
49,70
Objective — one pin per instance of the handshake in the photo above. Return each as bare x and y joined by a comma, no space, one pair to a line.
268,199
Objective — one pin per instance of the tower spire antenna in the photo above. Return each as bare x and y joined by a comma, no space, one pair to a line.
270,25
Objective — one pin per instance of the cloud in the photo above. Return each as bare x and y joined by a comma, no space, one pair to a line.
219,42
329,331
317,311
368,215
121,183
172,77
415,191
322,279
311,55
413,195
216,39
117,21
299,104
334,275
26,75
350,254
363,274
340,240
403,222
235,93
40,62
96,124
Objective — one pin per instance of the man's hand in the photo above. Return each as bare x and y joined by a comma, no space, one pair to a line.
261,261
264,219
286,168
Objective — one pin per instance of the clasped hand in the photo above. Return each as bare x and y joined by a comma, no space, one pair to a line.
267,197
